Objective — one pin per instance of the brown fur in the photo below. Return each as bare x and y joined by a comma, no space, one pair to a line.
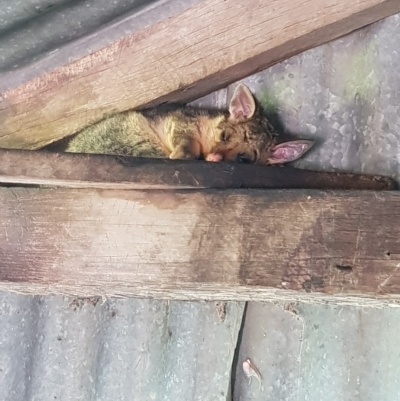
241,134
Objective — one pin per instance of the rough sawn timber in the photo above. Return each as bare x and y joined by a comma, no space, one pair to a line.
208,46
309,246
113,172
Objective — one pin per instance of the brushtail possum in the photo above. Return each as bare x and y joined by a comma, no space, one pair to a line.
241,134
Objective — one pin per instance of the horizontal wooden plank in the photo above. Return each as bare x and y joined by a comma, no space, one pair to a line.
113,172
176,59
309,246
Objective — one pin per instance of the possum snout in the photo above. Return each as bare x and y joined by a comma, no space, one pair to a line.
214,157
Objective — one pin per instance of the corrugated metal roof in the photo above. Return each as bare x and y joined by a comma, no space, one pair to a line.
346,94
56,348
38,36
31,29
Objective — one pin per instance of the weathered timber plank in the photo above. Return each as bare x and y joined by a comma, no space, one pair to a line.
236,245
113,172
176,59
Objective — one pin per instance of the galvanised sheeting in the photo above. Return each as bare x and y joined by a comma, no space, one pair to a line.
30,29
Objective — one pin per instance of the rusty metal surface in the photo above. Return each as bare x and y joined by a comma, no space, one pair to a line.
345,94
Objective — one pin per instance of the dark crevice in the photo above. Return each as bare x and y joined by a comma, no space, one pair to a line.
344,268
236,353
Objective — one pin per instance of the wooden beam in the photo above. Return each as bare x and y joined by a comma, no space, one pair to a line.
104,171
208,46
309,246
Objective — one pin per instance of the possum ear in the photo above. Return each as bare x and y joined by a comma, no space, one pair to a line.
289,151
242,105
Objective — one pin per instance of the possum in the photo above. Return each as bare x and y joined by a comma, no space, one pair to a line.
240,134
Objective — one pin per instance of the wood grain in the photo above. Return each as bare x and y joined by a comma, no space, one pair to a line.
113,172
311,246
208,46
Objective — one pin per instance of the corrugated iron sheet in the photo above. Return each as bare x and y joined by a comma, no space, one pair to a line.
56,348
31,29
38,35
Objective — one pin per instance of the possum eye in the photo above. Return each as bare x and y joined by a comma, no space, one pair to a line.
223,137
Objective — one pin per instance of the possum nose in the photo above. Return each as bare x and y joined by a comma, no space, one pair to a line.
214,157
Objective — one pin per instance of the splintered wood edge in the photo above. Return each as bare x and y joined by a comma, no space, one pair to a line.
244,41
202,292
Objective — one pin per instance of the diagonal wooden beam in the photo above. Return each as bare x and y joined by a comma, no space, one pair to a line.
112,172
206,47
310,246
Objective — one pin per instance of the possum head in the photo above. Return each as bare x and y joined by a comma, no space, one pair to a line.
246,136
